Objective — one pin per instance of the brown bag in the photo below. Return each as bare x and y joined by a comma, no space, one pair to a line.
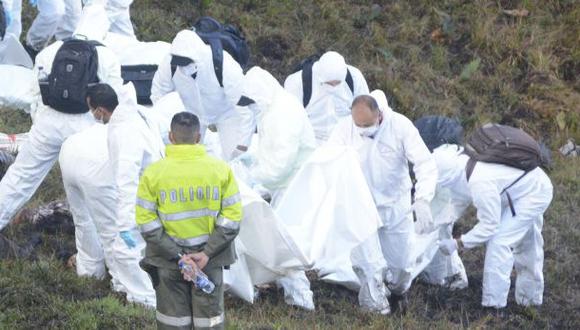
495,143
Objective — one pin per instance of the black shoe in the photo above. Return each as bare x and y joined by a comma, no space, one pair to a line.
31,52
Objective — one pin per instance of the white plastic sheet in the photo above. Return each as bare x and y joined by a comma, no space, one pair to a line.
263,254
327,211
133,52
15,87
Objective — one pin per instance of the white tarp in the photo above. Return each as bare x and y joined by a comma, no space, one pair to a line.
263,254
12,52
16,84
133,52
327,211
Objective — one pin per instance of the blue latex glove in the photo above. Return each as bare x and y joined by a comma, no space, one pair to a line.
8,16
33,2
128,238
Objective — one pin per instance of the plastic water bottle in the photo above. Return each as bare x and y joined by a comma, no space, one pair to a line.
198,277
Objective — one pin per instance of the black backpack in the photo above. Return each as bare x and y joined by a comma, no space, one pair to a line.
500,144
3,23
306,67
142,77
438,130
74,70
221,37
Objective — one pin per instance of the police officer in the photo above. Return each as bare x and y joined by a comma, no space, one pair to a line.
188,210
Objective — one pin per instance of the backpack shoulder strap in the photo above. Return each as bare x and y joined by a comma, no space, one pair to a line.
217,55
510,202
469,167
349,80
306,84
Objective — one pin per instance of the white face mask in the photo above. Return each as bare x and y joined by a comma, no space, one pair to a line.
189,69
367,131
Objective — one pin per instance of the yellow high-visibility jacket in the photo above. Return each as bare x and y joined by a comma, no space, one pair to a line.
188,202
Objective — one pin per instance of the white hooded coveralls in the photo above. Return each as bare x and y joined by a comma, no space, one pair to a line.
328,104
384,161
200,90
58,18
49,130
286,140
88,181
510,240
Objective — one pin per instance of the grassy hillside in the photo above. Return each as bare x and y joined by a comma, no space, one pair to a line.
470,59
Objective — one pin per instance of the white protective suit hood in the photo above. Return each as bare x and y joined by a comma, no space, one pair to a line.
188,44
261,87
94,23
331,66
381,99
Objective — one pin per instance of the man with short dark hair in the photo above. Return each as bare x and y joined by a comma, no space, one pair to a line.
188,210
94,196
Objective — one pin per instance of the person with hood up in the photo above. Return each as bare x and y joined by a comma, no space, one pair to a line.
510,240
189,70
51,127
331,95
92,195
56,18
285,141
387,142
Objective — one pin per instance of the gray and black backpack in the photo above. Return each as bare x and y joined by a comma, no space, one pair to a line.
74,70
500,144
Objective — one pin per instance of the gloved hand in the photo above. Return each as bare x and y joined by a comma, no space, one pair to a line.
448,246
425,223
246,159
33,2
127,236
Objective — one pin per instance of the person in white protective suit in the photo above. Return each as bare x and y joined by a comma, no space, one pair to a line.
510,240
286,139
285,136
331,94
89,186
50,127
56,18
189,70
449,203
119,15
386,142
133,143
13,14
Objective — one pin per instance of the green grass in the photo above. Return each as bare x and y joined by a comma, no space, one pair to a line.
452,57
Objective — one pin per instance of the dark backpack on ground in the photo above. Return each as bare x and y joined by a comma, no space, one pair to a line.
438,130
221,37
74,70
142,77
3,23
306,67
495,143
